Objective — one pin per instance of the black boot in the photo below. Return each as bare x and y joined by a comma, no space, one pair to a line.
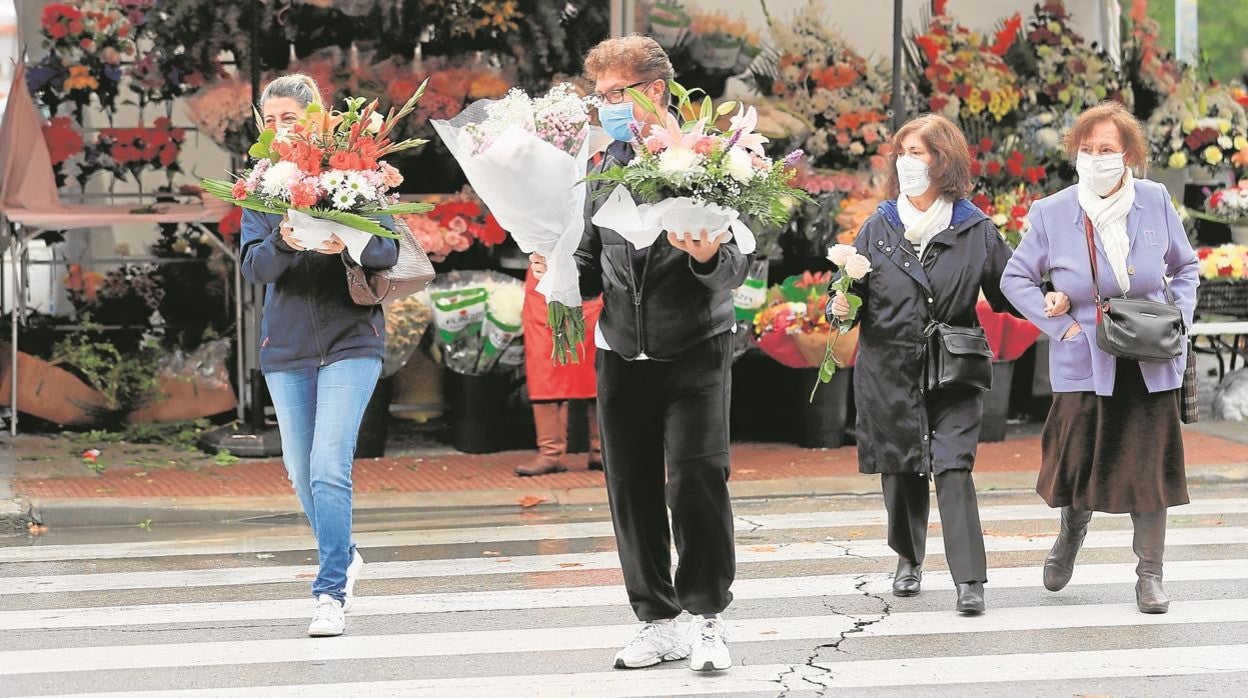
1150,546
971,598
908,578
1060,564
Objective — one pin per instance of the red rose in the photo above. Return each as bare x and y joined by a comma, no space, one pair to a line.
57,31
982,202
994,168
985,145
1014,167
976,168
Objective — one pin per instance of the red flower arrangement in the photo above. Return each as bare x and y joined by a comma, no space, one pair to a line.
1005,169
133,149
454,225
64,141
965,75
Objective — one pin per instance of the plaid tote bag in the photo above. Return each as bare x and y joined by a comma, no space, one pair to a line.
1190,408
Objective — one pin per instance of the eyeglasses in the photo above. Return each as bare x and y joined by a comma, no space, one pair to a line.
615,96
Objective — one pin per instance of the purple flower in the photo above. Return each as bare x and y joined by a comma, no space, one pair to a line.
635,128
736,136
793,158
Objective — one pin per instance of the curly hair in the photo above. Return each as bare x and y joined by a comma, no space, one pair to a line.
639,56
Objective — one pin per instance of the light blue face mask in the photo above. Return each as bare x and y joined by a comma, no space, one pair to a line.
616,120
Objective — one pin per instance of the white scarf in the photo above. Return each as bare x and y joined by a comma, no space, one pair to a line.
1109,217
922,226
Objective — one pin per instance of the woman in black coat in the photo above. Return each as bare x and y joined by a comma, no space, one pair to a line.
931,252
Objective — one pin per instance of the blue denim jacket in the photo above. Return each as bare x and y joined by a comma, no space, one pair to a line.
309,317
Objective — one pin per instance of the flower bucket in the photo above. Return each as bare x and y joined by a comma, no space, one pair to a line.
746,57
669,25
716,54
1239,234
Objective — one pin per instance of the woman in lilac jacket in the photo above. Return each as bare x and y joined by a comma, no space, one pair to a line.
1112,441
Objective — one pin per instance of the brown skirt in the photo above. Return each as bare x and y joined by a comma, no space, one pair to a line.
1114,454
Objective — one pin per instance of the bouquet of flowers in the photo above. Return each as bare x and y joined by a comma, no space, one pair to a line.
1225,263
526,158
1205,127
326,174
854,267
691,177
477,318
1229,204
963,74
1068,73
819,74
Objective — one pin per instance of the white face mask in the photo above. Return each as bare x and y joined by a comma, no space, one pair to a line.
1100,172
912,175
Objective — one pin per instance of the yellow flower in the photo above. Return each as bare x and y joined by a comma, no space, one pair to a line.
1213,155
1063,96
1189,124
80,78
1224,126
1177,161
1241,143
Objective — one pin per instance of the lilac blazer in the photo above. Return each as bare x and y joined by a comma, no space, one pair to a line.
1056,247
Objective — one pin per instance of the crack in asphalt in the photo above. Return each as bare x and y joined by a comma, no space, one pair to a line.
755,524
860,623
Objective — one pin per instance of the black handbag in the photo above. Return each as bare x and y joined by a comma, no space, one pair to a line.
1134,328
957,357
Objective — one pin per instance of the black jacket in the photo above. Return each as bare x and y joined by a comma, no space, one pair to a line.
309,317
658,301
901,427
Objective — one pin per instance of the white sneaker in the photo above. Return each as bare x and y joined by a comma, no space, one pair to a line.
353,573
709,651
327,621
655,642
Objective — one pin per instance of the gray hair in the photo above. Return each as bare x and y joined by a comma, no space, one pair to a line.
296,86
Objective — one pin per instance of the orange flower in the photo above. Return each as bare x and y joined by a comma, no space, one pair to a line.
836,76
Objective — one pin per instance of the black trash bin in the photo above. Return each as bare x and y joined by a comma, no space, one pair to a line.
822,423
375,426
478,410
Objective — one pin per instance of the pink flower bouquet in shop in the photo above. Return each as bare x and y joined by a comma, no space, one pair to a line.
689,177
526,158
854,268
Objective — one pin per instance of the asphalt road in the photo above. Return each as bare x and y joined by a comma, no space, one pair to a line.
504,602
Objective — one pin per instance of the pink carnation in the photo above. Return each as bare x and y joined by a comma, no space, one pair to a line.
705,145
390,176
655,145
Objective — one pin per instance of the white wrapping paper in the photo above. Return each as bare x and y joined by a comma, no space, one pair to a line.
641,224
312,233
535,191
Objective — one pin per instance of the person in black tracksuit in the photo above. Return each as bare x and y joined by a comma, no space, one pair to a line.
664,360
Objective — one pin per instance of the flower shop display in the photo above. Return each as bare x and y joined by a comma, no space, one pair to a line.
962,74
1062,71
527,158
669,23
1008,211
1224,280
129,151
476,317
326,172
455,224
818,75
1230,206
718,43
222,111
791,327
821,223
1151,73
87,41
1202,127
853,268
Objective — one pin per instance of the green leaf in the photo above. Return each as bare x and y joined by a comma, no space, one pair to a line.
640,98
403,209
267,136
258,151
313,108
351,220
708,109
855,302
678,91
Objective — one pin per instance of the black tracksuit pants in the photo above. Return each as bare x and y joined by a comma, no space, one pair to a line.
907,500
664,427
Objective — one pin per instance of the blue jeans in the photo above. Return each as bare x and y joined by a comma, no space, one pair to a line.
319,413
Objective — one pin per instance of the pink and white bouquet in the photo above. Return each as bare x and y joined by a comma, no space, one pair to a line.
327,175
689,176
854,268
526,158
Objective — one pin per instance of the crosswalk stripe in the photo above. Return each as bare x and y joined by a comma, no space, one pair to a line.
753,679
565,531
459,567
577,597
582,638
1047,666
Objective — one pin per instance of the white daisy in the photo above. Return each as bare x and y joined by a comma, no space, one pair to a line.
344,199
